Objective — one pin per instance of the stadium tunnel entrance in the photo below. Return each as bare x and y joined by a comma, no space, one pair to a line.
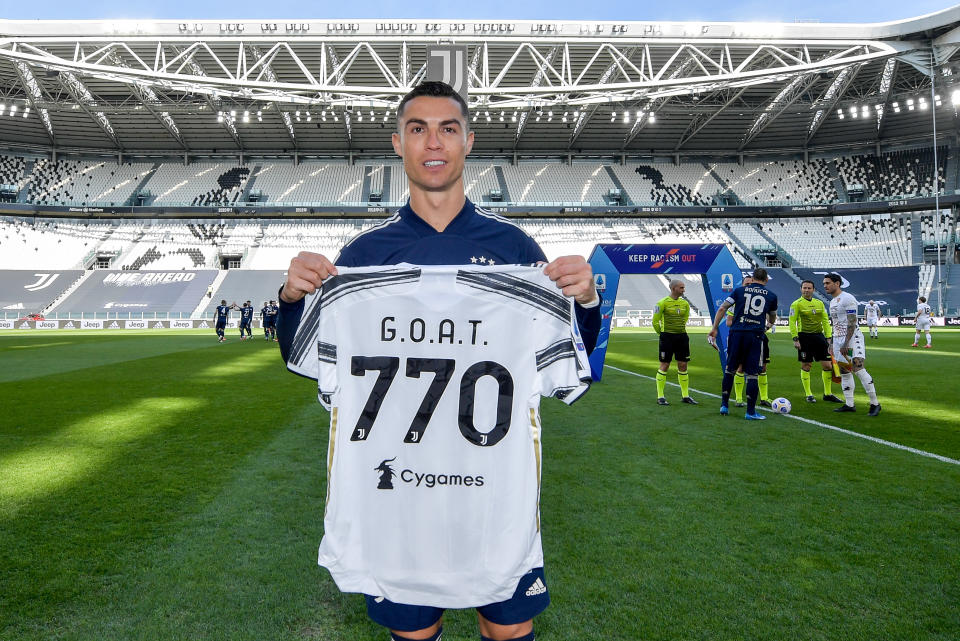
714,264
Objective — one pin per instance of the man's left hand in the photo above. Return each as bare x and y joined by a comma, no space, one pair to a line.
574,276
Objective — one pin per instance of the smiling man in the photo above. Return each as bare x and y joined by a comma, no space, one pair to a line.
440,226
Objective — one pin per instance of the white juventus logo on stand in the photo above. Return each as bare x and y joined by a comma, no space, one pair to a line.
45,281
448,63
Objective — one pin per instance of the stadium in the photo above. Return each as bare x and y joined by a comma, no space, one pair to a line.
156,484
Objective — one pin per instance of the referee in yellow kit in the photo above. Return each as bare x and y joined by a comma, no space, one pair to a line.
670,322
810,328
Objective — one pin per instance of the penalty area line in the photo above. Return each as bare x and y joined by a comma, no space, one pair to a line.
827,426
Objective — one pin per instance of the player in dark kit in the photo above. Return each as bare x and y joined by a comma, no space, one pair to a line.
222,316
439,226
246,320
754,306
268,316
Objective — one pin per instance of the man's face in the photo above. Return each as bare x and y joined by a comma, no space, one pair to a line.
678,289
830,287
433,140
806,290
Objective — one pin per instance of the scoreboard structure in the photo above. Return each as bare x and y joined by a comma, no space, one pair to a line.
713,262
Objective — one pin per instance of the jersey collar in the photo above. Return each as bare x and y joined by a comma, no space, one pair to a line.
459,222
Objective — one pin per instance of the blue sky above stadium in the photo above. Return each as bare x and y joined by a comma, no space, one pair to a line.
734,10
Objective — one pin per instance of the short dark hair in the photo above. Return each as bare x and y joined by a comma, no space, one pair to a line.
223,301
804,282
434,89
760,274
923,299
834,276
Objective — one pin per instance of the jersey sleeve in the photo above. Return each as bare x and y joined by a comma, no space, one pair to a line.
657,318
731,300
795,318
562,367
313,353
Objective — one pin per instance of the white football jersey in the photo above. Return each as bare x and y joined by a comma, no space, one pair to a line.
872,312
840,306
923,313
433,378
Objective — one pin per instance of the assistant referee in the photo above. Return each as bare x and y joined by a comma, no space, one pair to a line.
810,328
670,322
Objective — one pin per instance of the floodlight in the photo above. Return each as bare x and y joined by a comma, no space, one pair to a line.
13,109
955,97
653,117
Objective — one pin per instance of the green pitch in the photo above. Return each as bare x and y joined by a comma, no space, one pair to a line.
158,485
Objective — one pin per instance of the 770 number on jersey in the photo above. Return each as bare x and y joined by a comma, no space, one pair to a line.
442,370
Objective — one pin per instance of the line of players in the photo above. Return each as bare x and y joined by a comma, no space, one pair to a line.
749,311
268,319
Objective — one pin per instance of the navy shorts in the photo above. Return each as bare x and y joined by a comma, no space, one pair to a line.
529,599
745,348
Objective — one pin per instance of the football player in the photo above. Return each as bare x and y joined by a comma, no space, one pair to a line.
847,347
754,310
440,226
923,322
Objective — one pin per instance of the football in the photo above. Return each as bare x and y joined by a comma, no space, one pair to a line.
780,405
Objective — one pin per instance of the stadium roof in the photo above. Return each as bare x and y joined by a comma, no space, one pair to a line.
535,88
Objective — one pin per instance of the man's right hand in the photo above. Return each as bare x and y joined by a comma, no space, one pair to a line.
306,273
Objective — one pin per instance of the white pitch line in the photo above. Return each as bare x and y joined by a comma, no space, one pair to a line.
817,423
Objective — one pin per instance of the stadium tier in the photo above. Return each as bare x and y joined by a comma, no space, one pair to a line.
239,285
690,183
24,292
251,256
138,294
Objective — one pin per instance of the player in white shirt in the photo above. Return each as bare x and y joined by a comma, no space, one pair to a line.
923,322
872,313
847,347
